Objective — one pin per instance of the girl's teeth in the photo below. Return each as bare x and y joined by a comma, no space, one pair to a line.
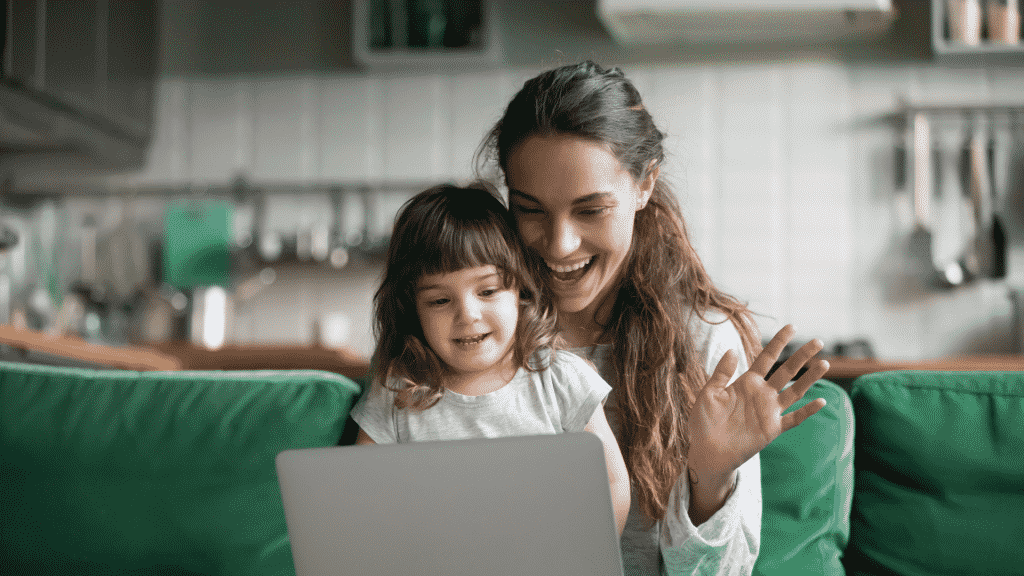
472,340
570,268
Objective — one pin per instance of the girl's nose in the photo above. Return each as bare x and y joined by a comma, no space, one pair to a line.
469,310
562,239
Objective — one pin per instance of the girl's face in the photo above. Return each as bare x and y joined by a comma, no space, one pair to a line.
575,204
469,320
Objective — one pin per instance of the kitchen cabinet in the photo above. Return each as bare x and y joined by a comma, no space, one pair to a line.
425,33
77,81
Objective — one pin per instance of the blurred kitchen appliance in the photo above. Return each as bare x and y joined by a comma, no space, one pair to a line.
743,21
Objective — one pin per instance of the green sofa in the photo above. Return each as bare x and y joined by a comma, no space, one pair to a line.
913,473
172,473
154,473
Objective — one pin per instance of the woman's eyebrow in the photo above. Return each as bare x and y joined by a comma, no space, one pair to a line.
522,196
596,196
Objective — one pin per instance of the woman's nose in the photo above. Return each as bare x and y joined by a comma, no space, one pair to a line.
562,239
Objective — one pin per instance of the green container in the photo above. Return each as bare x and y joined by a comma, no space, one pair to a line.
197,244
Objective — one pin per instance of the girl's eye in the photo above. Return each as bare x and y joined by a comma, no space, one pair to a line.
596,211
437,302
488,292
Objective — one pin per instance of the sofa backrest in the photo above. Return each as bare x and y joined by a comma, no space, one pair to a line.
939,474
119,472
806,488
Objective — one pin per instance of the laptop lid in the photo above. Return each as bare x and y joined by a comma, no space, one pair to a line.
517,505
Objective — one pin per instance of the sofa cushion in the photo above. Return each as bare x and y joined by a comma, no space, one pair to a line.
806,485
122,472
940,463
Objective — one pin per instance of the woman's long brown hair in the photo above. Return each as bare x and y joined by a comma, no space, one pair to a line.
664,283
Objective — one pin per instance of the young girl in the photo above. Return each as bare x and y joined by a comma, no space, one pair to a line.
467,341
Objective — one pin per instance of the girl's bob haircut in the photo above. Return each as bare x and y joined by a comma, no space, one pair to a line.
440,230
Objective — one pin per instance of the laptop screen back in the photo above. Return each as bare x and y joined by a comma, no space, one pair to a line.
523,505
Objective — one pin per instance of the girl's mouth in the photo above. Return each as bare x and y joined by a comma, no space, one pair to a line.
469,341
572,272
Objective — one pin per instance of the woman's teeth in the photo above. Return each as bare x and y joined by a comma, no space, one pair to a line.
471,340
571,272
570,267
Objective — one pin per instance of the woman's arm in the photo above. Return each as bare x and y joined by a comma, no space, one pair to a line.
618,478
364,438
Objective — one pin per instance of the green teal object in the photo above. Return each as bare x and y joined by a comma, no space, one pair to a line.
806,489
154,473
940,474
197,244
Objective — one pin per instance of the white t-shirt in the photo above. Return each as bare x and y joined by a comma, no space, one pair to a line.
560,398
729,541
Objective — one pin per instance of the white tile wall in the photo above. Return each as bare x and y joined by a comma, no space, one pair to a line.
787,185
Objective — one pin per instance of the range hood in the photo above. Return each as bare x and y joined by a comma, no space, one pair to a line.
660,22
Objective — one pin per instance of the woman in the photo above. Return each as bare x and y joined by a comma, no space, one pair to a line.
581,157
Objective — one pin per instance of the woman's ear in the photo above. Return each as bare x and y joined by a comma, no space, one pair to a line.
646,186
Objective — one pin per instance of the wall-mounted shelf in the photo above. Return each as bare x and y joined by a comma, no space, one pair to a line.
986,50
424,34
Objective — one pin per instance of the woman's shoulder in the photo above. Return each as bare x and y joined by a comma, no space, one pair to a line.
567,366
713,333
560,361
712,324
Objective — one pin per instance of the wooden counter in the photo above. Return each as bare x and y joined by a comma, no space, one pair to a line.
850,368
87,353
267,357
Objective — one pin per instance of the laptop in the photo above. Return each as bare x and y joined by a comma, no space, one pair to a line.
486,507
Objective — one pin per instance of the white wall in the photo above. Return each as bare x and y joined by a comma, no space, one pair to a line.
788,188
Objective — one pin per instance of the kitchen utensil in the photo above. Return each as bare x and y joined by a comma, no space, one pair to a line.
998,163
950,211
921,236
1017,334
978,259
126,257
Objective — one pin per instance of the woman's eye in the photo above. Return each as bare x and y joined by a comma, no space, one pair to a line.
525,210
596,211
488,292
437,302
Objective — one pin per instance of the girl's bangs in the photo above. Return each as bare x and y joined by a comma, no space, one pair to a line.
468,244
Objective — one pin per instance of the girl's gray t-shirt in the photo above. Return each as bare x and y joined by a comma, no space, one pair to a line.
560,398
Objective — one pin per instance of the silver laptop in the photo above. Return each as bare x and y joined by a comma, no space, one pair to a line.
536,505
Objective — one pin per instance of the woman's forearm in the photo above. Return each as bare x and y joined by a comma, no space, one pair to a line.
708,493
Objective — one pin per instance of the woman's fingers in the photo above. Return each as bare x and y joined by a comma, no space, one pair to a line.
766,359
815,370
795,417
724,370
794,363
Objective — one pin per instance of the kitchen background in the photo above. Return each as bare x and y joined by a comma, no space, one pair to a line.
796,183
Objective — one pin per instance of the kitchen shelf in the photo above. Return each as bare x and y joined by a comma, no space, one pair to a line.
985,52
391,34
